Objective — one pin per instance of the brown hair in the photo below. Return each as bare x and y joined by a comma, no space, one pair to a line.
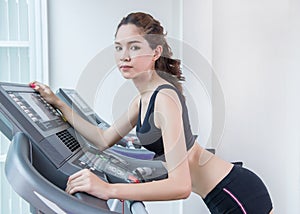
166,67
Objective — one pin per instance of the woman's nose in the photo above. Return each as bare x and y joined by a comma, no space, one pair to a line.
125,56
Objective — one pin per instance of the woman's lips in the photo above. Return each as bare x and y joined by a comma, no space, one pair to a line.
125,67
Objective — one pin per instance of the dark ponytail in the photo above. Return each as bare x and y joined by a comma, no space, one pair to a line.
166,67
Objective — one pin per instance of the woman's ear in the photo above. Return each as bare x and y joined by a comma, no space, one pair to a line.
157,52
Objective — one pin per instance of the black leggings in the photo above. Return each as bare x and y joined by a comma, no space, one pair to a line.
240,192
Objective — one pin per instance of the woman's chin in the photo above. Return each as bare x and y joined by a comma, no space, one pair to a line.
126,76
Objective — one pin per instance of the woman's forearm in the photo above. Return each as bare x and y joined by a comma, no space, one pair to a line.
176,186
151,191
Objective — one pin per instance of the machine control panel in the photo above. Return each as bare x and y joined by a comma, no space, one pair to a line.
37,109
115,168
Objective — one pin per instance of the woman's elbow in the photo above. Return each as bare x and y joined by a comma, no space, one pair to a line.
185,192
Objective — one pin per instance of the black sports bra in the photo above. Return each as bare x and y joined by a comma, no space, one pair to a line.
150,136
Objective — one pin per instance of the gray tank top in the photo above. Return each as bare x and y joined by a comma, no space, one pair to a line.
150,136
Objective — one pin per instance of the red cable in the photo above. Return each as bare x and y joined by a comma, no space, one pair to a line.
123,206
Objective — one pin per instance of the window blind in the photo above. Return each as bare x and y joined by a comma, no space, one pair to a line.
23,58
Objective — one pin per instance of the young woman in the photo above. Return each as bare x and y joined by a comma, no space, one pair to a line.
160,116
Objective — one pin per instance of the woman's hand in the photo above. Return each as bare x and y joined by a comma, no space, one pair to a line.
86,181
45,92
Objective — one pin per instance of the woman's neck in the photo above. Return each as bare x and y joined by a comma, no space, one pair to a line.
148,82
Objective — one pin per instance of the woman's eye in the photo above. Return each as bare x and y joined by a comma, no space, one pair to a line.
118,48
134,48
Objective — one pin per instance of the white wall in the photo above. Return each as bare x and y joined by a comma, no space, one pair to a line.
256,55
254,48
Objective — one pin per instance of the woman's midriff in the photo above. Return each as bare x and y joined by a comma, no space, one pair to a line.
206,169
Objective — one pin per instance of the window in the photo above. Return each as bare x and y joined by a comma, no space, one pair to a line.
23,57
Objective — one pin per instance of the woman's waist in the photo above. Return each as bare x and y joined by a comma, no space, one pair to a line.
206,169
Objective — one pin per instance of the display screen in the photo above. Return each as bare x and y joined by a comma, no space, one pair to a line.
37,109
35,102
79,102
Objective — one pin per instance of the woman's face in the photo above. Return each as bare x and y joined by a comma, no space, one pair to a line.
133,55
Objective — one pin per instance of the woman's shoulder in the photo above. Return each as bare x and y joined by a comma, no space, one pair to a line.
135,103
167,97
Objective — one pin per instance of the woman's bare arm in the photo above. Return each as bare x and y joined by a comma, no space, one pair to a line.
100,138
